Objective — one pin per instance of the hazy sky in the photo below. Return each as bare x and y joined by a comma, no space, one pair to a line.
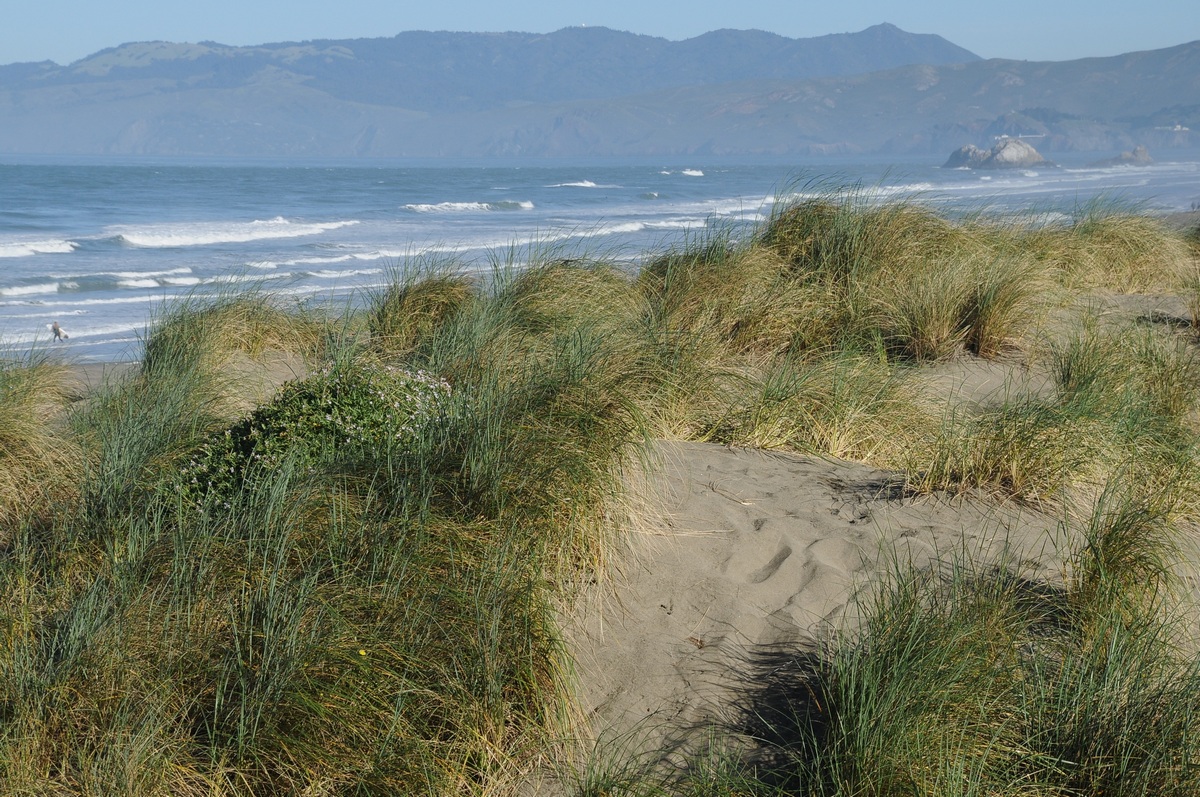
1050,30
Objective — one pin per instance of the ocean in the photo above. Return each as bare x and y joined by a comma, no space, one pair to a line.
98,245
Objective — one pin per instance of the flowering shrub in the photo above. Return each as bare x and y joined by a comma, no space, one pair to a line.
341,413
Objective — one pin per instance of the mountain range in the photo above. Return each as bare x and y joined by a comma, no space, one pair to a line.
589,91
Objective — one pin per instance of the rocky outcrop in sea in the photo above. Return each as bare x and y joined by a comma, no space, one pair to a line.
1009,153
1138,156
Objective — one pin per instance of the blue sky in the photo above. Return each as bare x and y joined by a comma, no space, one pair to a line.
1050,30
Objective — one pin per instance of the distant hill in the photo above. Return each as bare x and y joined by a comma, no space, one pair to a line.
589,91
439,72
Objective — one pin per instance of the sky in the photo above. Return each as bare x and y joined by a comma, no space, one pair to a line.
1035,30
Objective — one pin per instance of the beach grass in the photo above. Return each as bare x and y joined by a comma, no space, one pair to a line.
353,584
37,460
1107,246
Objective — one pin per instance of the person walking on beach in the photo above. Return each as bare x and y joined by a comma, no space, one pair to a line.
58,332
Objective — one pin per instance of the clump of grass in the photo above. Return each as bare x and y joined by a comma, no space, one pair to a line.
1006,298
1190,286
845,235
1115,715
902,278
1111,700
552,296
1140,385
1126,560
414,304
135,430
542,436
690,351
37,460
1129,252
1125,403
1108,247
1028,448
837,403
920,700
977,681
213,328
742,300
922,315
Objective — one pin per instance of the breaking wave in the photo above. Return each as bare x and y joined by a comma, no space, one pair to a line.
164,236
468,207
52,246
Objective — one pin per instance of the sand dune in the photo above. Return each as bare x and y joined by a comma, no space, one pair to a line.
759,552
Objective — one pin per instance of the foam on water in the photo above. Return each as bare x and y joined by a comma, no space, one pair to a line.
244,279
468,207
354,272
30,290
29,248
640,226
175,236
170,272
582,184
65,306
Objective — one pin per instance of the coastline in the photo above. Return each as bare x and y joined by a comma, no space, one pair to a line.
596,532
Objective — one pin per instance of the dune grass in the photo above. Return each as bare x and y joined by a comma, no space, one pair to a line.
37,460
352,585
351,588
901,278
835,403
1110,247
415,303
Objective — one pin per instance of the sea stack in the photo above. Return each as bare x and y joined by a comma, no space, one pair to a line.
1009,153
1138,156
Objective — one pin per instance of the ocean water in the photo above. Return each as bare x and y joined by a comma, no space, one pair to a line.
99,245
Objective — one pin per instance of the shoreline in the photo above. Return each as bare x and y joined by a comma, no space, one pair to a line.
89,376
110,289
1182,222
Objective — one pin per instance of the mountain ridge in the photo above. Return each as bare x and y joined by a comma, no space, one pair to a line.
591,91
442,71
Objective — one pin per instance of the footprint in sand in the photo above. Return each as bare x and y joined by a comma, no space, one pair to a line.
770,568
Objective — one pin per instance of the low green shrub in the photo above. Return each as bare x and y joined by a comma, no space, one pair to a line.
341,413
